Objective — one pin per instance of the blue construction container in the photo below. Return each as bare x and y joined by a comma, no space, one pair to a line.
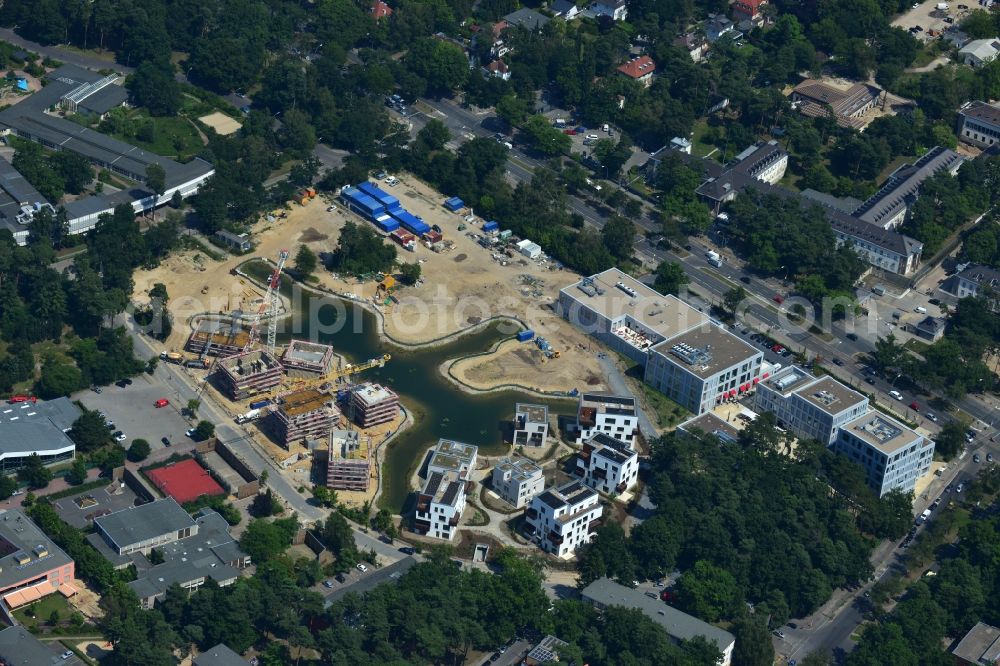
378,194
361,203
454,204
259,403
386,224
524,336
492,225
410,222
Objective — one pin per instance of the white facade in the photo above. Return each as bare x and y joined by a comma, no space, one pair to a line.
440,506
608,465
811,407
892,456
529,249
615,9
531,425
517,481
608,414
979,124
980,52
562,519
451,456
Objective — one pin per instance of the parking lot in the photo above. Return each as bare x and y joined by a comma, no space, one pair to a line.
132,411
926,16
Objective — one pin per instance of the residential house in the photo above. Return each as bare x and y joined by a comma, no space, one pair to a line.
608,465
564,9
440,505
979,52
498,69
517,481
694,44
931,328
220,655
531,424
979,124
528,19
811,407
613,415
748,10
616,10
680,144
717,27
32,566
562,519
680,626
892,455
974,280
451,456
979,647
639,69
380,10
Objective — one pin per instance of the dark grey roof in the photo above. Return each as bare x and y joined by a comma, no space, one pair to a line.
560,7
904,184
19,648
981,275
527,18
26,540
17,187
60,413
73,75
679,625
980,646
547,650
549,499
220,655
105,99
371,580
433,483
27,437
844,204
982,112
144,522
611,448
932,324
452,492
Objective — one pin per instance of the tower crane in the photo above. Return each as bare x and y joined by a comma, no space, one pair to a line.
269,304
326,382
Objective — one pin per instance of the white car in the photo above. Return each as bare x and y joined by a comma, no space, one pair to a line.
592,137
120,437
896,394
331,209
391,181
362,568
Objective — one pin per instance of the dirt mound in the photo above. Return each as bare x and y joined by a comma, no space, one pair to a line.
459,258
312,235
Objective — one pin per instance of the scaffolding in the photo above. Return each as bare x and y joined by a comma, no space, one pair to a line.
248,374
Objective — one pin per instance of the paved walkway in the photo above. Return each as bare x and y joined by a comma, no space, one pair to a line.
616,380
62,54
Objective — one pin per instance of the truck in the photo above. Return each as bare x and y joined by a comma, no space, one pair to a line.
252,415
712,255
196,363
172,357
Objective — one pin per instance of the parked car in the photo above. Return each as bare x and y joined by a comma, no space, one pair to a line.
408,550
392,181
165,440
745,279
930,417
989,457
976,458
328,583
190,432
96,389
852,337
915,406
959,487
120,436
341,578
777,349
778,298
362,568
162,402
896,395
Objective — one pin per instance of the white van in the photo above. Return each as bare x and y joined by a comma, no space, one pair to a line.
896,394
920,309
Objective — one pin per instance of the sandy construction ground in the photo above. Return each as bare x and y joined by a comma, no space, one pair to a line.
221,123
459,287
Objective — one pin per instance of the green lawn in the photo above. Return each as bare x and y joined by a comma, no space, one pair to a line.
171,137
698,147
667,412
36,615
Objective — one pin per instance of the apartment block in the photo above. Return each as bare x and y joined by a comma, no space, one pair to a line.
614,415
373,404
811,407
449,456
531,424
979,124
348,466
307,359
32,566
440,505
892,455
607,464
517,480
702,368
562,519
247,374
306,414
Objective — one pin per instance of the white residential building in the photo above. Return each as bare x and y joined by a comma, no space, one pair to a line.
614,9
892,455
811,407
449,456
440,505
974,281
531,424
608,465
702,368
562,519
979,124
609,414
517,481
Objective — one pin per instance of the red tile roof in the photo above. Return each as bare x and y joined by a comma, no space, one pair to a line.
638,67
381,10
498,66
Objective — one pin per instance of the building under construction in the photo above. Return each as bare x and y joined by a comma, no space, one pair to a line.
247,374
307,359
348,466
372,404
306,414
226,339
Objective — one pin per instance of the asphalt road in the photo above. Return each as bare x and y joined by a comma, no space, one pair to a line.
62,54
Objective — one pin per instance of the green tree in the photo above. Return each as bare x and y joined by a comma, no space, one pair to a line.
545,138
432,136
153,86
192,407
77,473
753,642
76,171
89,432
409,273
204,430
59,379
263,540
156,180
670,277
618,234
7,486
732,299
35,473
950,441
708,592
305,261
266,504
361,250
139,450
888,354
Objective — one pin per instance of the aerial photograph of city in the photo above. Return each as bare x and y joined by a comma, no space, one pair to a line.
499,333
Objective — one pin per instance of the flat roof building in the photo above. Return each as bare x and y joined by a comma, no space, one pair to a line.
531,424
614,415
306,414
979,647
979,124
249,373
39,428
18,647
302,358
32,566
811,407
139,529
546,652
451,456
608,465
347,466
226,339
517,480
710,424
680,626
562,519
892,455
850,104
373,404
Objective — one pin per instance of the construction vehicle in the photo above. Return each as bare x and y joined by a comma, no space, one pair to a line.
172,357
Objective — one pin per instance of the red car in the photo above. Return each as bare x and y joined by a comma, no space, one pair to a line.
777,349
22,398
914,406
162,402
779,299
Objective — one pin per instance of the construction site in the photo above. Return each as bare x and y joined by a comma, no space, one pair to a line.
248,373
307,359
372,404
303,415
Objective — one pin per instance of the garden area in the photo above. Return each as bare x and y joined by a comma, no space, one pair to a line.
54,615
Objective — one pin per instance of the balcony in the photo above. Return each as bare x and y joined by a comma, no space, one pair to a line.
621,487
555,538
594,524
531,514
421,526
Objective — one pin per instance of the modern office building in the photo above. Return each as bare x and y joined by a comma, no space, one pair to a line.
372,404
562,519
811,407
32,566
613,415
892,456
608,465
703,367
517,480
440,505
531,424
449,456
680,626
36,427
